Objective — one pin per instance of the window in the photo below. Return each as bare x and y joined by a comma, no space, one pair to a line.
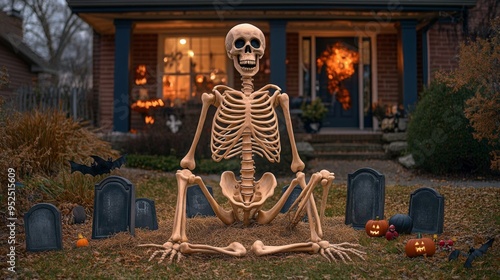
191,66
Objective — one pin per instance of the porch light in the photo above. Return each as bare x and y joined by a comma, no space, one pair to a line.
182,41
339,62
190,53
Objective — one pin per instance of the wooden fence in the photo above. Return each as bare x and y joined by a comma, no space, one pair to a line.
76,102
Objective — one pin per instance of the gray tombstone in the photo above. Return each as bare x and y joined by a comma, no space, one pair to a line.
197,204
145,214
79,215
427,211
42,225
365,197
297,190
114,207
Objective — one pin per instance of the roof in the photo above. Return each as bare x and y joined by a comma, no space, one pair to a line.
13,41
280,4
100,14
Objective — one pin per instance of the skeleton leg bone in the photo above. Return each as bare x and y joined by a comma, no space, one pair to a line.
177,243
305,203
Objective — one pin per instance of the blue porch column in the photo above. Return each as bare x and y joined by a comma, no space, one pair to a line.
278,52
121,106
407,62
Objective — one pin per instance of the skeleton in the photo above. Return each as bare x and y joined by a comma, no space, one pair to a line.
245,124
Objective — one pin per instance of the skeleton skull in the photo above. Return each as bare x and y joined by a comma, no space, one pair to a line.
245,45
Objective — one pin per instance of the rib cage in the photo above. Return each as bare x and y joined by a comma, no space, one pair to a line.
253,114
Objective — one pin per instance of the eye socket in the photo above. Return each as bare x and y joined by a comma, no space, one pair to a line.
239,43
255,43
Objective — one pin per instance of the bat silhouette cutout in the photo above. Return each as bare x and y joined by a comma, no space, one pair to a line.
473,253
98,167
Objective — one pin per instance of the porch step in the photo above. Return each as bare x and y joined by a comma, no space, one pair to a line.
350,146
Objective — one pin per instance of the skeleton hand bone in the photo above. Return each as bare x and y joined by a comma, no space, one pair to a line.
329,251
168,248
173,249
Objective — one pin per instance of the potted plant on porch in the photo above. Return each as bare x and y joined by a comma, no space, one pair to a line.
313,114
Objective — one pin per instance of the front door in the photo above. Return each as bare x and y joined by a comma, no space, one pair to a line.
337,81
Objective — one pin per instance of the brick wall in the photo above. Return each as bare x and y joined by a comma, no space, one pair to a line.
387,69
292,66
96,75
444,41
103,73
144,50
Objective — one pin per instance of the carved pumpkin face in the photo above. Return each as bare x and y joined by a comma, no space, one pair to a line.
419,247
376,228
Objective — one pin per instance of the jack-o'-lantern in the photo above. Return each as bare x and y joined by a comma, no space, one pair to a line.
376,228
420,246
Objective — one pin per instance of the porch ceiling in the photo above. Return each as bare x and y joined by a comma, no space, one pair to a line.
152,15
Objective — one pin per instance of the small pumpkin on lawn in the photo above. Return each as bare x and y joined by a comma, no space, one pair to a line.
376,228
420,246
82,241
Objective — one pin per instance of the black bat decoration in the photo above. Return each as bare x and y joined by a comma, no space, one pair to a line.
473,253
99,166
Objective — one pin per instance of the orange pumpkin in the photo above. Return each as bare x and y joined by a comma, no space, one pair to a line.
82,241
376,228
420,246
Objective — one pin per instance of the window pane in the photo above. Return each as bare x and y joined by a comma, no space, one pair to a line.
192,66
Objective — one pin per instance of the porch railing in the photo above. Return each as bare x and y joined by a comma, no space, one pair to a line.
78,103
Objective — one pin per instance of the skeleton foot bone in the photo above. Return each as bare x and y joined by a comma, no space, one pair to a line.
324,248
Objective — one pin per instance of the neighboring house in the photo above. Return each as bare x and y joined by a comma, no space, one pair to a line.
386,51
23,65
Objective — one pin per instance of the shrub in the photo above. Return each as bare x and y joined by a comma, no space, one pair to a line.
478,69
38,142
153,162
439,135
38,145
158,139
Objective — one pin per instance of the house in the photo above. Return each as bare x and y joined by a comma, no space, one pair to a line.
351,54
21,64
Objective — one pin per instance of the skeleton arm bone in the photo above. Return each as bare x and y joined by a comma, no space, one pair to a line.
188,160
297,163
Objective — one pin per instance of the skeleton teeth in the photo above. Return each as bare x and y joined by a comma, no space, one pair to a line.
250,64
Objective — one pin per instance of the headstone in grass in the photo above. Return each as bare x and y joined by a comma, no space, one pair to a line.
427,211
114,207
197,204
365,197
79,215
145,214
42,226
297,190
